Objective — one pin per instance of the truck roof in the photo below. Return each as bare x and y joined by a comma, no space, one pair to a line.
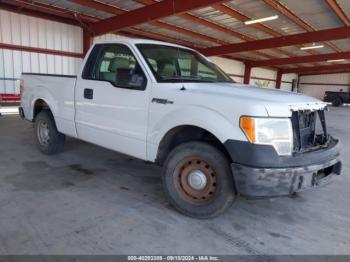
129,40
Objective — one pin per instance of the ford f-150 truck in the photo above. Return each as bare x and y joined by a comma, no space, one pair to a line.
170,105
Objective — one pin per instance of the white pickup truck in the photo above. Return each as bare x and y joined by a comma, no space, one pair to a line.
170,105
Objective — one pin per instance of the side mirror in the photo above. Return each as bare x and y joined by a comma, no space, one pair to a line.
127,79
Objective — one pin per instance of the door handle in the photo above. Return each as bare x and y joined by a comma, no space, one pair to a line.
162,101
88,93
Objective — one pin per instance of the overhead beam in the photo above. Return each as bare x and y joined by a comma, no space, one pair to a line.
310,69
40,50
201,21
278,6
339,12
302,59
161,37
191,33
198,20
149,13
118,11
296,39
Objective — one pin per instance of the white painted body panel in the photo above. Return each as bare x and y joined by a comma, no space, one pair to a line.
57,92
115,118
127,121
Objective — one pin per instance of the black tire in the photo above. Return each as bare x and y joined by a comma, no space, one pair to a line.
337,102
55,142
198,203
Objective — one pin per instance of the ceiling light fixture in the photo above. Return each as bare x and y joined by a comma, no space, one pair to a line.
311,47
335,60
254,21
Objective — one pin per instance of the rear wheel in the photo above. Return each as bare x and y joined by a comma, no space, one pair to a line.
337,102
198,180
48,139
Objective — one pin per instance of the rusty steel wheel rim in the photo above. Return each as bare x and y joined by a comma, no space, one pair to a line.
43,133
195,180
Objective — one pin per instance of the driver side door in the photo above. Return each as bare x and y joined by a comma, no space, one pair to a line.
112,100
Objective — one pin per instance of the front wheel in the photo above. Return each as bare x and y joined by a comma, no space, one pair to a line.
48,139
337,102
198,180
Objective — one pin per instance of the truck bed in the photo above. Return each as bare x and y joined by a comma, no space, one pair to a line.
55,90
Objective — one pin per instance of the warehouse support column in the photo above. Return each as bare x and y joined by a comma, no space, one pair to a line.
87,40
278,79
247,72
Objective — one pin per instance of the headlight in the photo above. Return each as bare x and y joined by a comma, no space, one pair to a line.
277,132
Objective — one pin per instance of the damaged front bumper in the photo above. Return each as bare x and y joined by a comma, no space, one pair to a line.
269,182
260,172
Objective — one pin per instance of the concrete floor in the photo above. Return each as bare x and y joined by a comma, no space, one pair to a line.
89,200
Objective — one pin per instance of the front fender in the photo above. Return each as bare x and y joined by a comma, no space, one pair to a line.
201,117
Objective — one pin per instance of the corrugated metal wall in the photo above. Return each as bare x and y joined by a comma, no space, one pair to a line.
317,85
269,76
35,32
232,67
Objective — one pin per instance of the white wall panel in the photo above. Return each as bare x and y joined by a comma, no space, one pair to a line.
233,67
24,31
236,70
343,78
263,72
270,76
30,31
288,78
107,37
317,85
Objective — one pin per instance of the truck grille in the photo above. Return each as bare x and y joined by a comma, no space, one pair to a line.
304,130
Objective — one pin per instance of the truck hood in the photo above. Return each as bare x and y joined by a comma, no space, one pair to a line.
276,102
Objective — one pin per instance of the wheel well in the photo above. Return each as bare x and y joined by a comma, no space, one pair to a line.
40,105
183,134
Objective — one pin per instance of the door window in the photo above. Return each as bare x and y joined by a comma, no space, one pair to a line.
115,63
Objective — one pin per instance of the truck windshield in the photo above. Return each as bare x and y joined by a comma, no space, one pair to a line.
171,64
